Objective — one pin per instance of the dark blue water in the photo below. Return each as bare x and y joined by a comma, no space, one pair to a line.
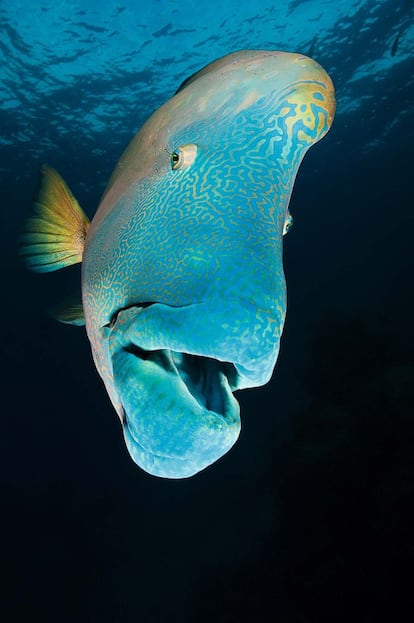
309,517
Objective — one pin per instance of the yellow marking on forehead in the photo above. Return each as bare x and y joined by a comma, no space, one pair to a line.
284,111
307,98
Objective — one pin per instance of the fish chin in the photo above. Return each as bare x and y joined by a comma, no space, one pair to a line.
180,412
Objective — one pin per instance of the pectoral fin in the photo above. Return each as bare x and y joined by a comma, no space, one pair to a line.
54,236
71,312
288,223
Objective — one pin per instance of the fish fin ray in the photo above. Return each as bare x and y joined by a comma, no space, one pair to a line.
70,312
54,236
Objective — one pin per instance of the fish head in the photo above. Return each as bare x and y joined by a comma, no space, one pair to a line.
248,108
184,290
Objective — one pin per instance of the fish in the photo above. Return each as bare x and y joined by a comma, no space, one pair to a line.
183,288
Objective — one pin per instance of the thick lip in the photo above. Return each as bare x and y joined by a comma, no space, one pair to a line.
204,405
201,376
243,363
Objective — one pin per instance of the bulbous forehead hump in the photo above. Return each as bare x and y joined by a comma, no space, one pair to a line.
215,95
257,65
241,80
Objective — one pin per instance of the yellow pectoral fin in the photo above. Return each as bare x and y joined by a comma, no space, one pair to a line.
54,237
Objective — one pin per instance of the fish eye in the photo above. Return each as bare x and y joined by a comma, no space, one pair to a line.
175,159
183,156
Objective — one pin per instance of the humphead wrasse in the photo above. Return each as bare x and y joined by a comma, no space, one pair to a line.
183,290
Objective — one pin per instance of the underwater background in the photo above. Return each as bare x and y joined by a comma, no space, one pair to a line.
309,517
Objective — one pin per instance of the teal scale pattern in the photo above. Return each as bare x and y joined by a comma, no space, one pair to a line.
207,240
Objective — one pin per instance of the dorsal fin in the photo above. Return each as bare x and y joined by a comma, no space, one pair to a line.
54,237
200,72
187,81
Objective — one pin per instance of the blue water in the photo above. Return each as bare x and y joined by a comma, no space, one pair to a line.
311,513
96,70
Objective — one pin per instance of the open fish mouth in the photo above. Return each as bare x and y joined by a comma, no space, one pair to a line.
180,414
174,370
204,378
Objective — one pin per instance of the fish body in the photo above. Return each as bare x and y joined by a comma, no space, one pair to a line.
183,289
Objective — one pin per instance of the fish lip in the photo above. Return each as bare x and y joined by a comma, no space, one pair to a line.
209,395
163,464
247,367
230,370
126,426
